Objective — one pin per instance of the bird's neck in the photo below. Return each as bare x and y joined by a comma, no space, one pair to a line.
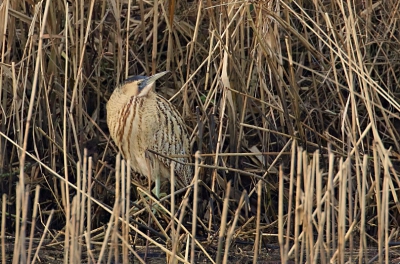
119,100
116,102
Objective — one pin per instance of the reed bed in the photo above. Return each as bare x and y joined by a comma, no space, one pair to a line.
294,120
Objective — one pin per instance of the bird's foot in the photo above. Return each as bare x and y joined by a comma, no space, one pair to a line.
156,207
150,202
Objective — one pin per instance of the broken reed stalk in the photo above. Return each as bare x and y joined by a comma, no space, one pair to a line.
291,197
176,241
342,212
258,222
88,240
280,221
46,229
363,241
33,223
331,90
3,228
126,196
113,215
195,203
117,211
231,231
223,224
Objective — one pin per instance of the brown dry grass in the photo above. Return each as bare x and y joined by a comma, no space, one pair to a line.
292,104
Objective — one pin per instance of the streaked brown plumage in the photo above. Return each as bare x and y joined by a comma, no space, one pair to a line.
140,119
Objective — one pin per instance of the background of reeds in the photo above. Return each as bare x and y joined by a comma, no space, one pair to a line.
292,104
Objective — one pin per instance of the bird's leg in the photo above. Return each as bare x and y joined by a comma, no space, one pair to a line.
156,189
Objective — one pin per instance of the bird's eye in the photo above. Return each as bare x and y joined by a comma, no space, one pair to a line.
141,85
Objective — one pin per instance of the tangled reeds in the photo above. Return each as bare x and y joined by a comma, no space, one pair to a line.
292,106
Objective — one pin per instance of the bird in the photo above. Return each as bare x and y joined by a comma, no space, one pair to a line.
142,123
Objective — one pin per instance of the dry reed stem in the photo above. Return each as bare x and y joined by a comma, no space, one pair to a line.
3,228
258,231
280,222
195,203
223,224
179,226
33,224
46,228
262,76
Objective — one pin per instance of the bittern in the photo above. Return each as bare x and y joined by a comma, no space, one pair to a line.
139,120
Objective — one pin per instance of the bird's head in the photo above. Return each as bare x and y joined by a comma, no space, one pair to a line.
140,86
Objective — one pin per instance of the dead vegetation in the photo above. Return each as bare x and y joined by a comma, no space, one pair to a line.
292,105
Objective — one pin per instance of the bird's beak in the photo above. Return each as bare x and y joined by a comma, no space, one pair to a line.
147,84
156,76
